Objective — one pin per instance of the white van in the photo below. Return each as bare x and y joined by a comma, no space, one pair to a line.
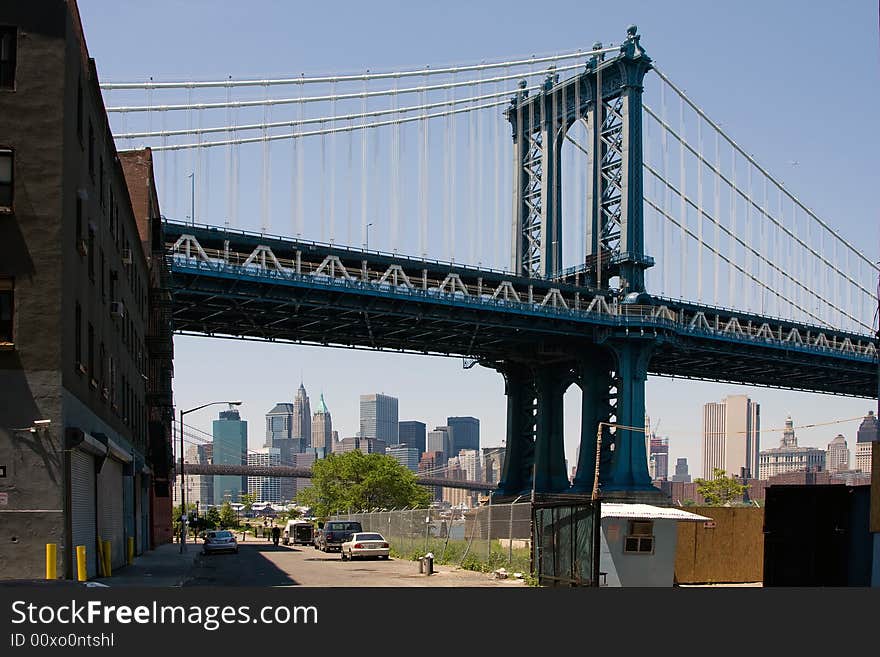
298,532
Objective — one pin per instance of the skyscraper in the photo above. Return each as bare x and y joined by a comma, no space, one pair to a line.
469,460
788,457
322,428
302,418
837,455
731,436
265,489
408,457
412,434
438,441
464,433
658,460
230,448
864,442
681,471
279,435
379,418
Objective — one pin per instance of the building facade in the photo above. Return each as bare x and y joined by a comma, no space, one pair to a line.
658,458
469,461
302,418
265,489
865,438
412,433
731,436
788,457
681,471
837,456
86,450
322,428
230,448
464,433
439,441
365,445
408,457
379,418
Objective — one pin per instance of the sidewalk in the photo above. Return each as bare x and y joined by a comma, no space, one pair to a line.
165,566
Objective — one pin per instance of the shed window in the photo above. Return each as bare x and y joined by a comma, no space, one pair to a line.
640,539
6,311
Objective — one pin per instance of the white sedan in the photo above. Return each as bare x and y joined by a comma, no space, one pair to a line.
365,544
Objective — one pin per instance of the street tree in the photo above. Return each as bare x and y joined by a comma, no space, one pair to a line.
721,490
354,480
227,516
212,518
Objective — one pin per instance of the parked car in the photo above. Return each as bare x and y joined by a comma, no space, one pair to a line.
365,544
335,533
298,532
221,540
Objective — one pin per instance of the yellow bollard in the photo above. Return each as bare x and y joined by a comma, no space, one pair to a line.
108,563
51,561
82,569
130,549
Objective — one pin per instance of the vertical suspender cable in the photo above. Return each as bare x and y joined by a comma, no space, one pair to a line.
497,261
480,229
749,239
447,206
300,172
294,147
423,171
453,215
600,183
333,167
349,184
682,181
228,155
666,230
395,169
323,184
264,223
700,209
731,245
518,191
473,213
717,215
364,171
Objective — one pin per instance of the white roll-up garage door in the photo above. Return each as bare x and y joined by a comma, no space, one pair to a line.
82,506
111,527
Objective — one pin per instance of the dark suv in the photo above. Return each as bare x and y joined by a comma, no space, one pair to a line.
335,533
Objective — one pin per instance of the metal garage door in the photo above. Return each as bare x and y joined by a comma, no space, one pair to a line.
111,525
82,505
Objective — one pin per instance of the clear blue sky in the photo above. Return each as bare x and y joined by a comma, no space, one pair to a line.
791,82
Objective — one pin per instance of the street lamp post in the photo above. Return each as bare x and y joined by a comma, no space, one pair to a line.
182,485
367,244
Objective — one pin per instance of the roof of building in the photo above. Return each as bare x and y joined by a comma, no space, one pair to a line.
281,408
322,407
647,512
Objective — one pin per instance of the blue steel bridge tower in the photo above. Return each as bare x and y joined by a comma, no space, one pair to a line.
610,366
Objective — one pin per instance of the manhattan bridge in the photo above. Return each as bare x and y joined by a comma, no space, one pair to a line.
574,219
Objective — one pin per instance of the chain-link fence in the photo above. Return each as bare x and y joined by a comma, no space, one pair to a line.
484,538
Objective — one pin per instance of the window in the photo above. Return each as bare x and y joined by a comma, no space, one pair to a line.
78,336
91,253
91,150
6,172
91,364
102,369
101,181
79,222
79,112
6,311
8,46
641,537
103,278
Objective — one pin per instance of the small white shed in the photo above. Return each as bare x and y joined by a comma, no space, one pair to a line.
638,543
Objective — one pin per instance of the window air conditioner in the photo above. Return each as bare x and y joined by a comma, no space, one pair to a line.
126,256
117,309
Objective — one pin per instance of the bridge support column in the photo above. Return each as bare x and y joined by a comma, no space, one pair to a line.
595,384
550,475
628,468
519,456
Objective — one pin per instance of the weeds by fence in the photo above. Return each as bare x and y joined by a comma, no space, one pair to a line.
483,539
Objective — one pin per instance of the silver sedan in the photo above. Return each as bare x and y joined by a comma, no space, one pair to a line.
365,544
